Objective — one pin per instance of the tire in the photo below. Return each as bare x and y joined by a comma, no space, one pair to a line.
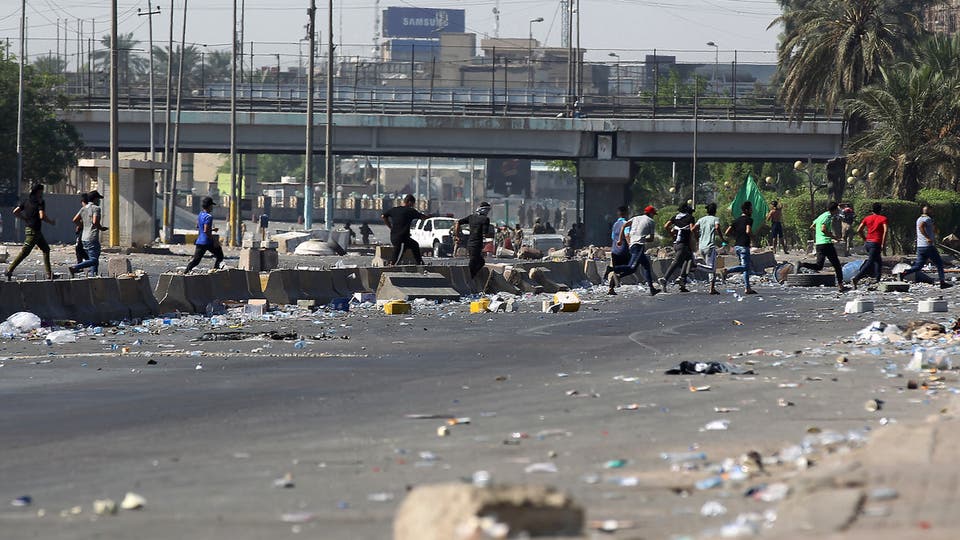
812,280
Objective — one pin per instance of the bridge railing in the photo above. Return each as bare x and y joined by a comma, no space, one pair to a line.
451,101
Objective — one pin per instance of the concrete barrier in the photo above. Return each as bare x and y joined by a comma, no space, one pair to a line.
317,285
458,276
517,276
283,287
370,277
408,286
43,299
491,281
386,255
347,281
542,276
235,285
11,301
107,302
136,295
190,294
592,270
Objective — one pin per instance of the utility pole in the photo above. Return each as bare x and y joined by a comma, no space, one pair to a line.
233,127
328,143
114,131
149,13
308,158
176,128
168,219
23,31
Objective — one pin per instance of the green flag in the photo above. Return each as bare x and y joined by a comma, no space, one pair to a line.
749,191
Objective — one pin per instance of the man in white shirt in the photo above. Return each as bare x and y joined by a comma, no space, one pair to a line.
642,229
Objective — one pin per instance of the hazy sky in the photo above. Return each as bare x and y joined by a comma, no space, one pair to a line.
631,28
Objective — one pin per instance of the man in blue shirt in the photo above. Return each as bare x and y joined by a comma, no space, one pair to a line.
619,251
205,239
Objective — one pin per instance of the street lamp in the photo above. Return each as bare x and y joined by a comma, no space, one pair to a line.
617,56
716,63
530,53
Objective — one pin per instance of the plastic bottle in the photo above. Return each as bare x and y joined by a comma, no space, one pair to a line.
683,457
709,483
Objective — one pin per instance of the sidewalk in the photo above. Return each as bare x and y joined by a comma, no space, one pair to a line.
903,484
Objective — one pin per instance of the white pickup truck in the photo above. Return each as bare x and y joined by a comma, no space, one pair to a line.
434,233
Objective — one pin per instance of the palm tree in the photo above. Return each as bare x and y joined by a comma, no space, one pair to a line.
130,65
831,49
50,65
218,66
914,127
191,62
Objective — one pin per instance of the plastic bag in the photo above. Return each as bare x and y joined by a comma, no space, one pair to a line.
24,321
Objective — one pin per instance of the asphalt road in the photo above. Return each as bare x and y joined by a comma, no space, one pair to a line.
81,421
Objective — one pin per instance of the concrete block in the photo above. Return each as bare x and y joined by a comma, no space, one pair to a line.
386,255
269,260
249,259
859,306
408,286
446,511
118,266
895,286
287,242
308,303
932,305
541,276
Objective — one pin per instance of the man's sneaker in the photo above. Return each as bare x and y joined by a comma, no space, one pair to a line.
946,285
611,292
73,272
8,275
683,288
723,275
749,291
714,291
654,291
842,289
663,283
898,276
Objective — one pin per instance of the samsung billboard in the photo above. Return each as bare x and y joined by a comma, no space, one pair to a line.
409,22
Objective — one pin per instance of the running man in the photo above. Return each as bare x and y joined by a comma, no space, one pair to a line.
708,230
205,239
78,247
775,217
824,236
927,247
365,232
399,219
742,230
873,230
480,228
89,220
33,211
642,229
619,250
680,225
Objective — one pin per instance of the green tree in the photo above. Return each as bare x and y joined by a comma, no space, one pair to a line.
50,65
913,128
50,146
191,73
130,64
831,49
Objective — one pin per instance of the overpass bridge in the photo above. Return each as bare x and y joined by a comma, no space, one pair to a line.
604,147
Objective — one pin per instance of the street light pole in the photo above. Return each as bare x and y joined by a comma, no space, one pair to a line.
328,143
23,30
149,13
716,63
114,131
530,53
617,56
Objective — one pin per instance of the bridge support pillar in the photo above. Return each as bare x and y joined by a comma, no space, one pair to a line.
251,176
606,185
186,172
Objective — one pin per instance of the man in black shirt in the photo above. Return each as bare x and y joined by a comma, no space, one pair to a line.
479,225
742,228
78,247
399,219
32,211
680,226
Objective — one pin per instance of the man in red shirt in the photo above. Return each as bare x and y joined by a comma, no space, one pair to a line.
873,229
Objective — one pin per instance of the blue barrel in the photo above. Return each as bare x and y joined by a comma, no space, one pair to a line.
852,268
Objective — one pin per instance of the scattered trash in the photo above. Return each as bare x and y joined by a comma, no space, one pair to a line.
60,337
132,501
103,507
285,481
707,368
543,467
717,425
713,509
23,500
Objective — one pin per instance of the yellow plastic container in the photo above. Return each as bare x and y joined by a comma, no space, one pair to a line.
569,301
396,307
480,306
